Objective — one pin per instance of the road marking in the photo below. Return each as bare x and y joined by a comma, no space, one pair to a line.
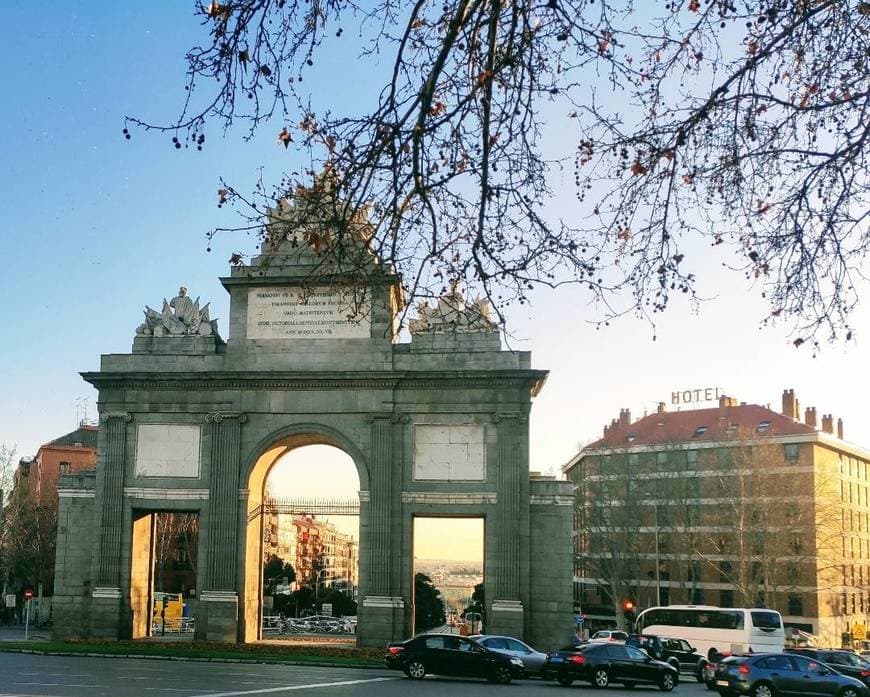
287,688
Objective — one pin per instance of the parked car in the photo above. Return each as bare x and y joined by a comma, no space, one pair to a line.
845,662
447,654
783,674
601,664
678,652
609,635
533,661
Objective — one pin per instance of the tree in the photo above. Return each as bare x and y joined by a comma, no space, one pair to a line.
28,540
609,546
478,601
786,524
738,123
177,537
428,604
277,571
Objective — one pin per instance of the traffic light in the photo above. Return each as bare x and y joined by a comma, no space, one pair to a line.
628,610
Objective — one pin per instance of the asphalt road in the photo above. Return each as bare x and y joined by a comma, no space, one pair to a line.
27,675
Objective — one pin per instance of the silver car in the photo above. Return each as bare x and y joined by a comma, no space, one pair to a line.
533,661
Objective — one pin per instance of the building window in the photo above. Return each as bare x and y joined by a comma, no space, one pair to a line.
791,451
725,571
726,598
697,596
795,604
661,458
665,596
64,468
692,458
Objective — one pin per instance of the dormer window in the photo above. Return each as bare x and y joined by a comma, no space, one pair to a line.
700,431
631,436
763,427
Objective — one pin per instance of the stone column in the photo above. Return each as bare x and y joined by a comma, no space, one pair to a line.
219,598
106,596
506,608
383,605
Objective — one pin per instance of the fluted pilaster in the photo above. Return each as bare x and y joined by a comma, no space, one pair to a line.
112,509
509,485
225,431
380,506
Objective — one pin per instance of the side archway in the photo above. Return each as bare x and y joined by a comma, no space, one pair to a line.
254,477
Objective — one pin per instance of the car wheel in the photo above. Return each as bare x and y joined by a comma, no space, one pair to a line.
502,675
763,689
565,681
849,692
415,670
600,678
699,674
667,683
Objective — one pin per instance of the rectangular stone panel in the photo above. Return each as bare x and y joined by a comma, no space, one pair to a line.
167,450
449,452
281,312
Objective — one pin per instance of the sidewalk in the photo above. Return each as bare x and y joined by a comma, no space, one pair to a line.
15,632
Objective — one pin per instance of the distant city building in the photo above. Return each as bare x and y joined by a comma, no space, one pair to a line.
73,452
313,546
735,506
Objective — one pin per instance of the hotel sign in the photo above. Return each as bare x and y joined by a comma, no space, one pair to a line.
702,394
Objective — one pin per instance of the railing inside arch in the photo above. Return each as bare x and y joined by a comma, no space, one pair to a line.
305,506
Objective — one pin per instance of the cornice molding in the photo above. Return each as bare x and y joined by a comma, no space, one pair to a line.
323,381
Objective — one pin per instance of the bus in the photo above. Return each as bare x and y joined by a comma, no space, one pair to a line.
713,630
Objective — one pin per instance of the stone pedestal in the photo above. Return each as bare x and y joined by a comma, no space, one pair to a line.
506,617
382,620
106,613
218,618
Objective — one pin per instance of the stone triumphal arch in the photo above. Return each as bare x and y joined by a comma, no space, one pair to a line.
437,426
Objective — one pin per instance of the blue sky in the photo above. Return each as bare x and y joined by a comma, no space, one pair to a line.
95,227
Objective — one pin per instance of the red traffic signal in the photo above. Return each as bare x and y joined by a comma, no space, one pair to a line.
627,605
28,593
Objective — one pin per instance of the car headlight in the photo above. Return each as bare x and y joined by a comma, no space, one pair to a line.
517,662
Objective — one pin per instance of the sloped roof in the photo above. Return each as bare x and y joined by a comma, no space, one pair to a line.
84,434
688,426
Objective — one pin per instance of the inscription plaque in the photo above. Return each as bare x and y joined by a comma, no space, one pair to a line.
293,313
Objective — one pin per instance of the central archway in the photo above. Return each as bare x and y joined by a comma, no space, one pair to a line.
255,477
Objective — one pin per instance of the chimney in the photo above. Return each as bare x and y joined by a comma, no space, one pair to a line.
840,429
828,423
810,417
661,409
725,401
624,418
789,408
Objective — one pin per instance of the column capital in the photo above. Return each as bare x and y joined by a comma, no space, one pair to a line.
218,416
125,415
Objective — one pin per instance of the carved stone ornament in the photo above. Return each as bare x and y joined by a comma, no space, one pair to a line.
453,314
181,316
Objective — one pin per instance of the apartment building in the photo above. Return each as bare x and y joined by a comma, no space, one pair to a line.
736,505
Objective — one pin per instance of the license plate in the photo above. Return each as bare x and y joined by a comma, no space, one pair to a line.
556,659
721,683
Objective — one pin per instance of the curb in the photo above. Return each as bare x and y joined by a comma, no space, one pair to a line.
195,659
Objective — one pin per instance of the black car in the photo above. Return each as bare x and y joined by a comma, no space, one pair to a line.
446,654
783,675
678,652
601,664
844,662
